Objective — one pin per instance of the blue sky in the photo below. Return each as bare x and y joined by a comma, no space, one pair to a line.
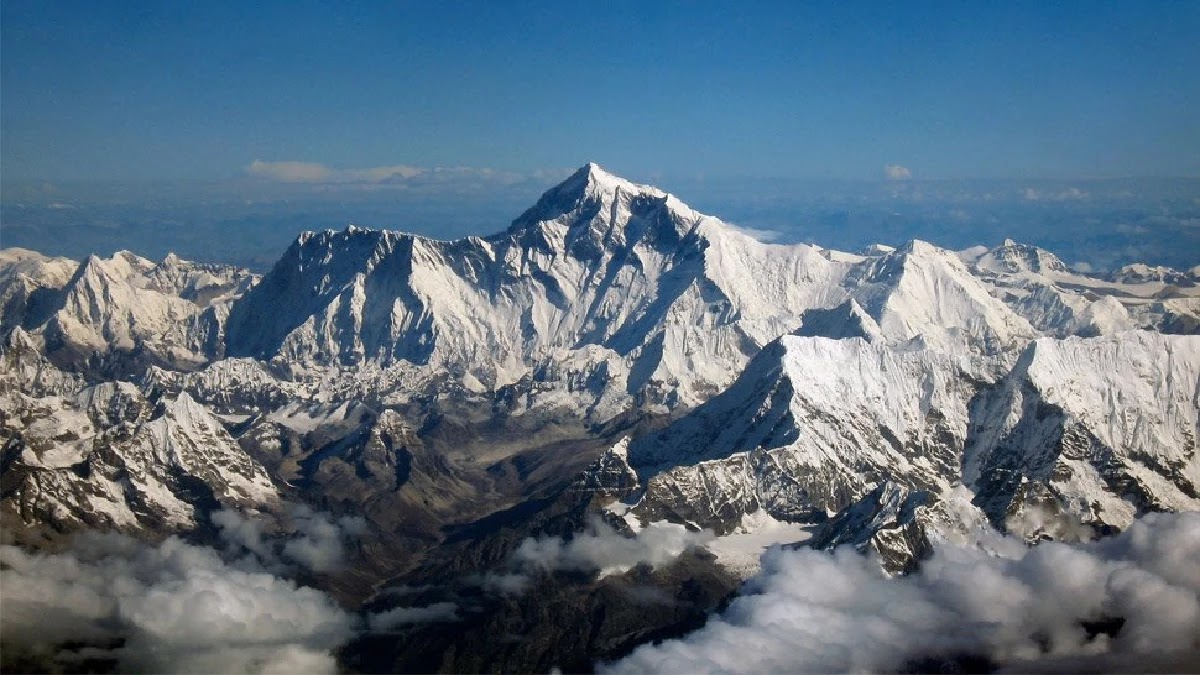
130,91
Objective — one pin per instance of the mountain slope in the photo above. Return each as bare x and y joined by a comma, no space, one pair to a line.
597,263
809,427
113,317
111,458
1102,429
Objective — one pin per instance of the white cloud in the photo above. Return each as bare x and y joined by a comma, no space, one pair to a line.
763,235
321,540
812,611
896,172
599,549
1067,195
290,172
397,175
182,607
314,540
604,549
438,612
177,607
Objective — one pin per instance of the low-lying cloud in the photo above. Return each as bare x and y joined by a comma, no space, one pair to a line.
1066,195
314,540
438,612
181,607
811,611
173,607
600,549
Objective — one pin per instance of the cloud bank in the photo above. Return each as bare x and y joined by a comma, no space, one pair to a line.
174,607
812,611
179,607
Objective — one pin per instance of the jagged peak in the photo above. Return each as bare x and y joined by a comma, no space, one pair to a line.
874,250
18,339
588,189
847,320
375,236
352,233
1014,257
593,180
122,265
919,247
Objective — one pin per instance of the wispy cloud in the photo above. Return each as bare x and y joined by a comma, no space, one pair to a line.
438,612
313,540
1070,194
764,235
600,549
403,175
290,172
896,172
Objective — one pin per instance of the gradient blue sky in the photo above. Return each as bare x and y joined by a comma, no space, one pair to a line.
135,91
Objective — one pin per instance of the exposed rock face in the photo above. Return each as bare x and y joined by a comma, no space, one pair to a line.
1102,429
811,426
887,522
112,458
610,474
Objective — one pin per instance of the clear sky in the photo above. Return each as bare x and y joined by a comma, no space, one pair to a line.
200,90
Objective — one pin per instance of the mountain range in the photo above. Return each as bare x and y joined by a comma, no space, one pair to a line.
613,356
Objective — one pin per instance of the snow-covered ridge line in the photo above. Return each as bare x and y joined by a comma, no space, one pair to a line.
602,281
797,379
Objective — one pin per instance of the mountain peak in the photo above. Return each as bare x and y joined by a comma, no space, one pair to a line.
588,191
592,180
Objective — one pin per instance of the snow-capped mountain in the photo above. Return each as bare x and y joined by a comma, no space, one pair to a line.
115,316
412,379
811,425
1059,302
112,457
1102,429
29,281
644,292
923,292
